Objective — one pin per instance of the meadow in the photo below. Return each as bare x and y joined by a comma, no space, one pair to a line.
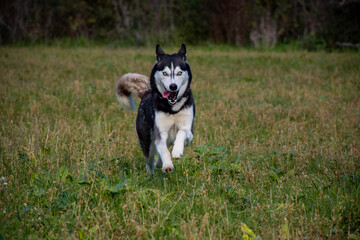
275,153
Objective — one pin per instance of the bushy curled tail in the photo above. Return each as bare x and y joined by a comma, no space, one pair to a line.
131,84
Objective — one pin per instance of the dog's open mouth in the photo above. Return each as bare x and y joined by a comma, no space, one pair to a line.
171,96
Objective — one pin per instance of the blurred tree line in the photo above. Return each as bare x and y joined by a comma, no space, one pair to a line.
139,22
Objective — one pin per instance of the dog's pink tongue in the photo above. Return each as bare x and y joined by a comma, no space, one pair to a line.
166,94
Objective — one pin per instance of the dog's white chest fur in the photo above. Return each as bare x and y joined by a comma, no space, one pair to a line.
172,123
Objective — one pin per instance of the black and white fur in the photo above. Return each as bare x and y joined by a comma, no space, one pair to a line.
166,111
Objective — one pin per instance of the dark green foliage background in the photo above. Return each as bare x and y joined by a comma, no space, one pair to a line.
143,22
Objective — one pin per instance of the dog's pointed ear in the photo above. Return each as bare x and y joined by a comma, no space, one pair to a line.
159,53
182,52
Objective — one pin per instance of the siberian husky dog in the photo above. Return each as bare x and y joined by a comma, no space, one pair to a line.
166,111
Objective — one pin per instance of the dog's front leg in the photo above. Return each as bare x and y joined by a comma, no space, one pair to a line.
178,148
161,147
183,137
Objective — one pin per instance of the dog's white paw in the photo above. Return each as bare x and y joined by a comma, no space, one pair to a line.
168,168
176,153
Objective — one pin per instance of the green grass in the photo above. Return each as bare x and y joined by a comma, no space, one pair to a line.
276,147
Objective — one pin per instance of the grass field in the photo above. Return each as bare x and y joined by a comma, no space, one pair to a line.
275,153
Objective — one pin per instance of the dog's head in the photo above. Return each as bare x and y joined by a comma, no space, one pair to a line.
172,74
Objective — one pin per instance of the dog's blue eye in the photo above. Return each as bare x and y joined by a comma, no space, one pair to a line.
165,73
179,73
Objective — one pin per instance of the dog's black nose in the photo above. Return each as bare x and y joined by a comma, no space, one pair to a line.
173,87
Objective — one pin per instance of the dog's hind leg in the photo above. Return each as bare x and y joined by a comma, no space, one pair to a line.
158,161
150,159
